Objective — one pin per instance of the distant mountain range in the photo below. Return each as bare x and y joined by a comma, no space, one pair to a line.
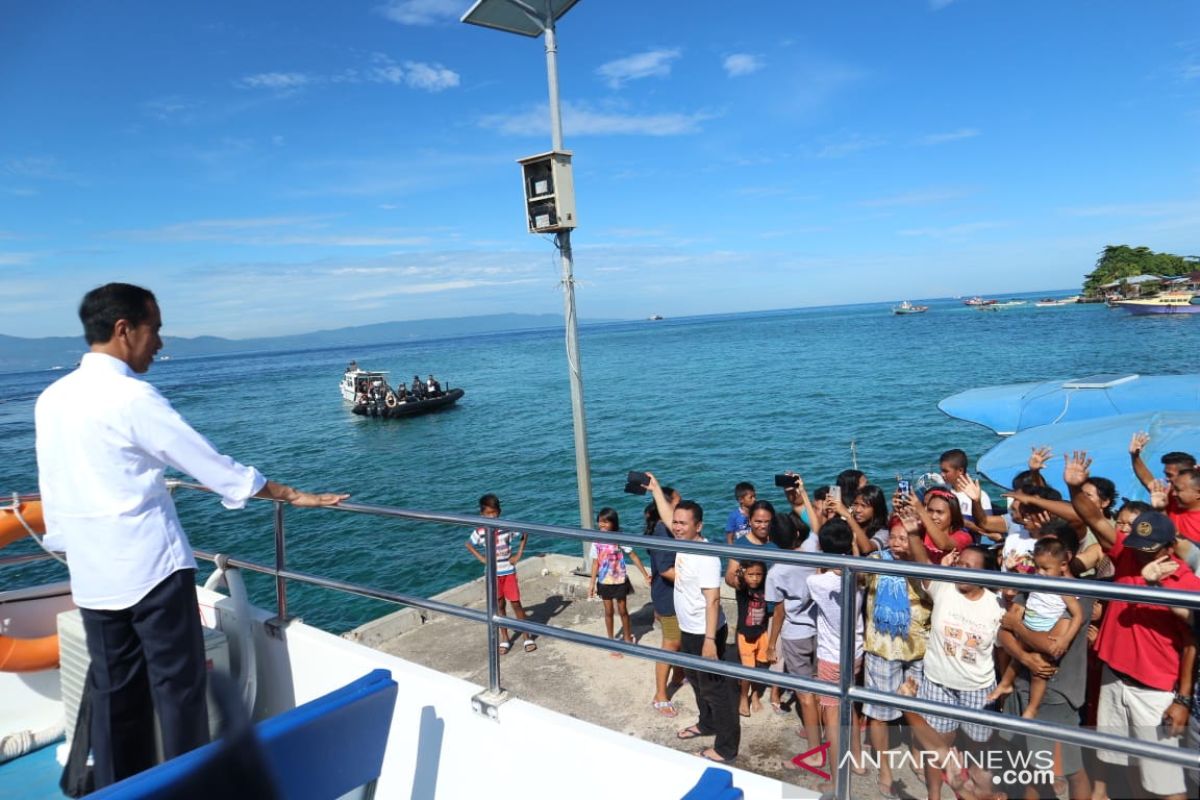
64,351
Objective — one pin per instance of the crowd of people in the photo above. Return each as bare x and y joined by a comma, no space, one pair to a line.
1124,668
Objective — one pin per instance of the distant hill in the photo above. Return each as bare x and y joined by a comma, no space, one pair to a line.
64,351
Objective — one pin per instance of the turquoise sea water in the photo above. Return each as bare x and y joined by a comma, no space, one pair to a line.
702,402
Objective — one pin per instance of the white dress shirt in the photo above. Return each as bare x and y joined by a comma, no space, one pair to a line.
104,440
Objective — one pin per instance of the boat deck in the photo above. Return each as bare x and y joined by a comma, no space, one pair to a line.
32,777
590,684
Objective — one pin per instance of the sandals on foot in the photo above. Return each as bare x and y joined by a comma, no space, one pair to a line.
715,757
666,708
690,732
505,647
530,646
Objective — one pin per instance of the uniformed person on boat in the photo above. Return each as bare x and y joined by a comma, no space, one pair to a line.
101,465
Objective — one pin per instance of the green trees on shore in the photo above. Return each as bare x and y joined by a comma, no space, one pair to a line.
1122,261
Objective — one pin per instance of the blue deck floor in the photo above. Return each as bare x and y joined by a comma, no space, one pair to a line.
32,777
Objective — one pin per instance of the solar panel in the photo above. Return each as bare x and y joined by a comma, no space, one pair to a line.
514,15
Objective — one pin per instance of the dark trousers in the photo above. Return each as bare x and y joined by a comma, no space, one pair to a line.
154,649
716,695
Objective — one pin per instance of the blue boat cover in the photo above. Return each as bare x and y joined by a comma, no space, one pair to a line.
322,749
1106,441
1016,407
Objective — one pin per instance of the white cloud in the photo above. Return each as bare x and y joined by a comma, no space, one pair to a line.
740,64
953,231
855,143
918,197
948,136
1135,209
414,74
15,259
36,167
583,121
271,231
422,12
274,81
171,109
651,64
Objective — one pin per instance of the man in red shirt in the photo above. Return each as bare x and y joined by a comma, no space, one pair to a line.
1183,504
1148,652
1182,486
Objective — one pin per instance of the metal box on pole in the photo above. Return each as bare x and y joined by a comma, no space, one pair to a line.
549,191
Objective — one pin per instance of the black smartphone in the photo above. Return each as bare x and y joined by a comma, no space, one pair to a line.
785,481
640,478
634,488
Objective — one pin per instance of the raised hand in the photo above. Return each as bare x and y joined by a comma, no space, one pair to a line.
1159,568
1159,491
1075,473
969,486
909,519
1138,443
1039,458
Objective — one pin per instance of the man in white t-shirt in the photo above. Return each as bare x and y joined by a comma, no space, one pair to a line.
703,631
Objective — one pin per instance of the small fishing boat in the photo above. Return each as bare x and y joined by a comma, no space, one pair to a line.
977,301
655,317
996,305
908,308
1051,302
1165,303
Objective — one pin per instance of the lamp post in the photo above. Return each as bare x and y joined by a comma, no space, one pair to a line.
550,202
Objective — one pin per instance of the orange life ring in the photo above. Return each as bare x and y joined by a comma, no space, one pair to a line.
25,655
11,528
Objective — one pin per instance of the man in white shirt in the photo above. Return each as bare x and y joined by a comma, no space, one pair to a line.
104,440
703,631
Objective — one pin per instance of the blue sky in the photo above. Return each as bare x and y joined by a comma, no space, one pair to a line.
272,167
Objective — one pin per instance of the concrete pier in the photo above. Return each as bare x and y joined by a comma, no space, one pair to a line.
594,685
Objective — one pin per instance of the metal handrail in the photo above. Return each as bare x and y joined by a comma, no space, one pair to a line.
851,566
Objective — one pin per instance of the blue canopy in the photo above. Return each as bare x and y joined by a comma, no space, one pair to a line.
1106,441
1016,407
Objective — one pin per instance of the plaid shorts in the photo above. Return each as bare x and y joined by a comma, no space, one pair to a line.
973,698
886,676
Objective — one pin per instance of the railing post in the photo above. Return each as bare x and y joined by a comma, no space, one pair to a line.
280,565
846,680
493,632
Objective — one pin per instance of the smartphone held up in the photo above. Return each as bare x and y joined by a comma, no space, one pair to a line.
636,482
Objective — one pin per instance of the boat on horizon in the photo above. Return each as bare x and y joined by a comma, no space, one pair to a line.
654,317
1165,303
908,308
